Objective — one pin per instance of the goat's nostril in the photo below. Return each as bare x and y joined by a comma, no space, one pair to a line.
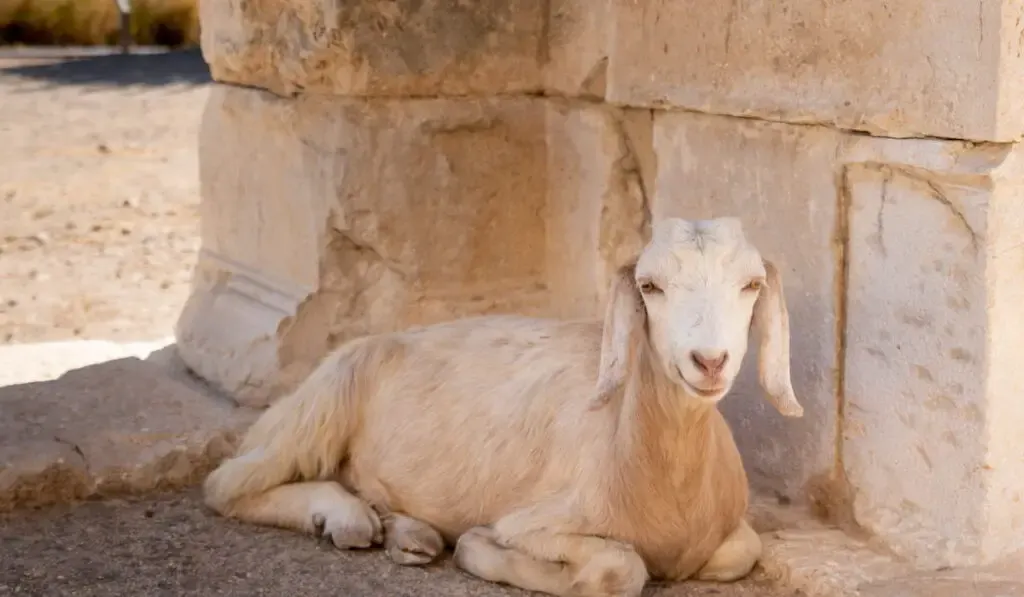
709,362
697,361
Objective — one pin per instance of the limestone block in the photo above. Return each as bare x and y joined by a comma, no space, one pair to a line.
365,47
326,219
576,54
778,179
933,420
946,68
597,214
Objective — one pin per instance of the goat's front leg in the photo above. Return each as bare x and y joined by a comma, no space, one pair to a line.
543,549
478,553
323,508
587,566
735,557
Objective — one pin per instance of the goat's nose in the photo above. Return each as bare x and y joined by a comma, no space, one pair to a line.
709,362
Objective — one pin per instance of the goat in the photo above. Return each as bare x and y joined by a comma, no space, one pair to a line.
489,433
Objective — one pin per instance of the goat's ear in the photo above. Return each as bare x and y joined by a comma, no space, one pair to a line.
771,320
625,319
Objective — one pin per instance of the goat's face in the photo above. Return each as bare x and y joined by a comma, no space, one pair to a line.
696,290
699,282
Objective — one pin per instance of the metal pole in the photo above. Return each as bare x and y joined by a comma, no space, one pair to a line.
124,7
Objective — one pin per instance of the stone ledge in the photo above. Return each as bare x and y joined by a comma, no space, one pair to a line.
813,558
119,427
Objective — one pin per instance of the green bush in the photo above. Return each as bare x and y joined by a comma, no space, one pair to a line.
173,23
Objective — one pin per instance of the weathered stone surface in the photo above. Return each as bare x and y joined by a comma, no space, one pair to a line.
324,220
576,55
110,428
597,207
825,562
948,68
409,48
365,47
779,179
933,385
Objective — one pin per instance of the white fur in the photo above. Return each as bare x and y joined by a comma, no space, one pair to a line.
569,457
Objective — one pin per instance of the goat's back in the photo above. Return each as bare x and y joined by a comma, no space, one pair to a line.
477,417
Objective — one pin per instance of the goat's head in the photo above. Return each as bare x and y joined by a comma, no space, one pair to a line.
691,298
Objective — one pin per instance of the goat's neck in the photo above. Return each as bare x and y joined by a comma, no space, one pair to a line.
662,431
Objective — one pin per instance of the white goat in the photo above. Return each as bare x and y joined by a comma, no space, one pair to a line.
558,456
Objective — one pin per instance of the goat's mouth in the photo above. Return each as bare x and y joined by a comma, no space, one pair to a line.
710,394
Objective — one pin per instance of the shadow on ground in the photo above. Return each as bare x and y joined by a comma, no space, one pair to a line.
171,545
152,69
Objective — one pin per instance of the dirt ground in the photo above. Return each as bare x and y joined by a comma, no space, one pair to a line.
171,545
98,195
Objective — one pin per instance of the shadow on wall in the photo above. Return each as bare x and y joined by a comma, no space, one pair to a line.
165,68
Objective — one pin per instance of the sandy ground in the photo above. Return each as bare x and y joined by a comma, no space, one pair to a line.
98,195
171,545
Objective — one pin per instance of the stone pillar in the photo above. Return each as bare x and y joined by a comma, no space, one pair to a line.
367,166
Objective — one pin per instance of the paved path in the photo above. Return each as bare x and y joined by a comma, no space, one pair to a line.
171,545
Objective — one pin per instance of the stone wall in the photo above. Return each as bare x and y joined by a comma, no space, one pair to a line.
369,165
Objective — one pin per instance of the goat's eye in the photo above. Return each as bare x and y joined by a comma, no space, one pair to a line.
648,287
753,286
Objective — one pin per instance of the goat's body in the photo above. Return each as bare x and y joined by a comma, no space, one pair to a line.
466,423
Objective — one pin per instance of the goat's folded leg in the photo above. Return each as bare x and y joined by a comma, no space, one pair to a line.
735,557
558,564
323,508
410,542
477,553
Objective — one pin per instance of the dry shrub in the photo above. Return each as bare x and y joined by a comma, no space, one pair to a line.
172,23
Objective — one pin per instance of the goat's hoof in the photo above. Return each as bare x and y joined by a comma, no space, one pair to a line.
411,542
412,555
612,573
349,529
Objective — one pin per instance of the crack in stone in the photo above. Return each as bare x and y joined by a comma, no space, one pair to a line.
75,448
925,178
880,218
364,247
730,20
544,45
595,84
935,190
630,165
541,91
832,493
941,197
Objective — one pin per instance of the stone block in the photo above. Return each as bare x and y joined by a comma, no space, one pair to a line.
370,48
325,219
597,207
111,428
932,440
948,68
576,52
779,180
